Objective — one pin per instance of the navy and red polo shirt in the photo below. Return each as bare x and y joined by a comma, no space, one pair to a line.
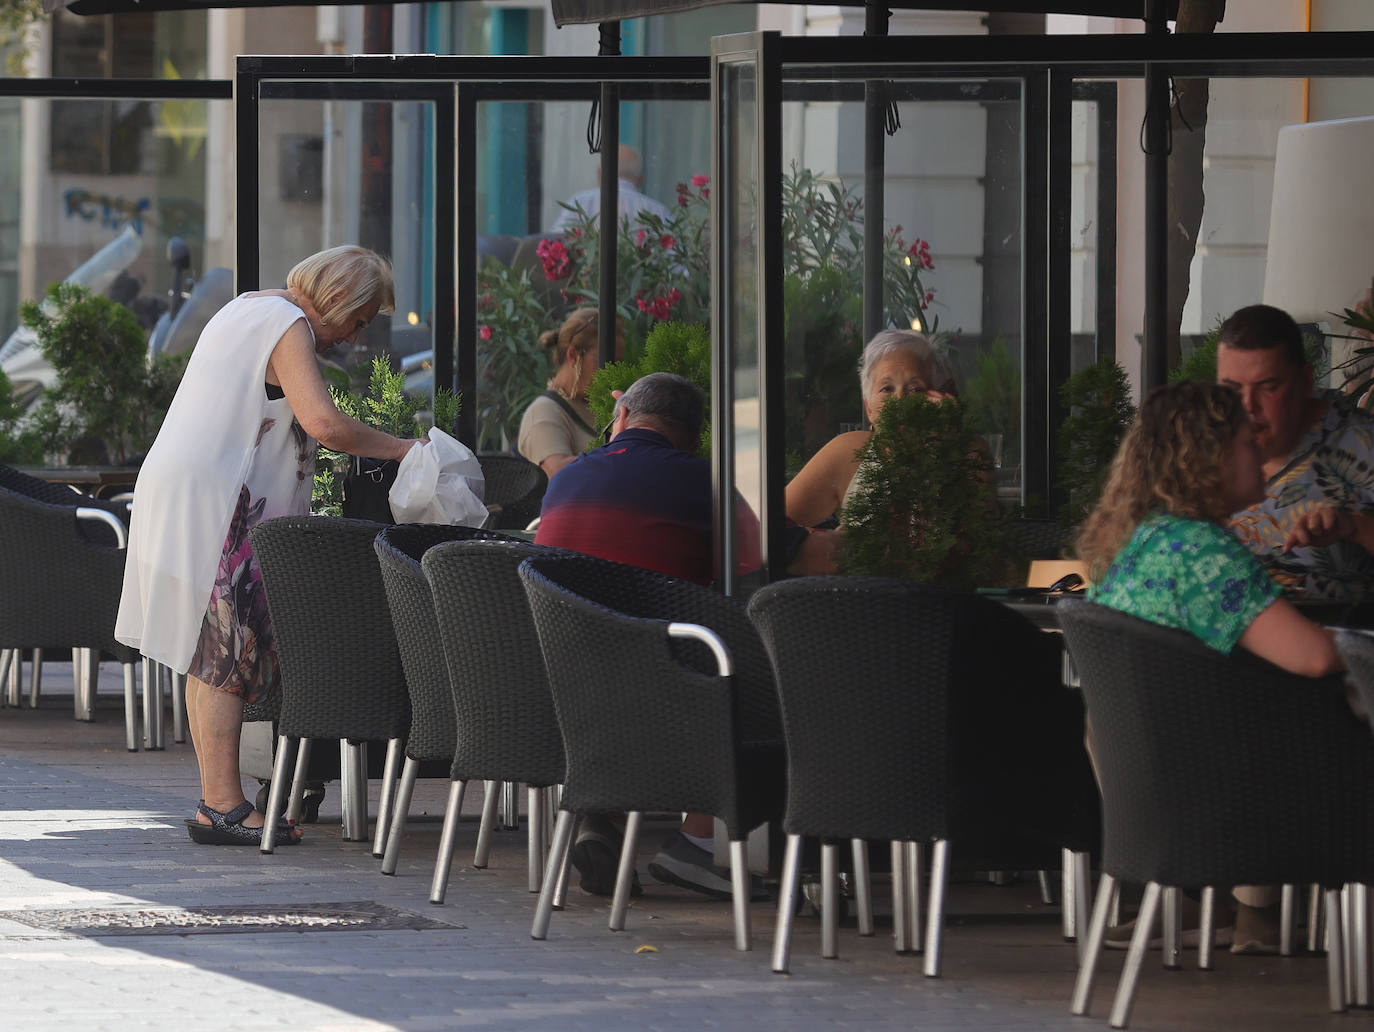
639,500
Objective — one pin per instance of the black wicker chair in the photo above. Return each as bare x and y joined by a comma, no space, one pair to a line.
62,591
666,702
514,490
341,674
506,729
1208,778
431,739
972,741
1028,538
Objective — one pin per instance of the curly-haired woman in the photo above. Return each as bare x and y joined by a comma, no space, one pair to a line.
1157,546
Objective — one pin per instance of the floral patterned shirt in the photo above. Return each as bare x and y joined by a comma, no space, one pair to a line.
1188,574
1332,465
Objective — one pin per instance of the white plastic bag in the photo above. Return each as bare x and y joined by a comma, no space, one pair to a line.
439,482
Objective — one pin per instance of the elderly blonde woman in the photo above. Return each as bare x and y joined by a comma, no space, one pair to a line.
238,446
895,363
557,426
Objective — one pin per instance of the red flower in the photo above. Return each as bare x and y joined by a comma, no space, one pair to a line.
682,200
705,192
639,237
666,241
484,332
486,303
554,256
699,180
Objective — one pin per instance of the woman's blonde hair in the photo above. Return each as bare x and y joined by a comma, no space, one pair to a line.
578,333
1173,459
343,281
935,369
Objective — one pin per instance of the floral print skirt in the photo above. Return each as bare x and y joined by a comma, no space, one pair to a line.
236,652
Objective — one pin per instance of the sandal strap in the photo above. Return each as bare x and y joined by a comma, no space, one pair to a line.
234,816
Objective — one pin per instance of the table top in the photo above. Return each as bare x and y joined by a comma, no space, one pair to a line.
105,479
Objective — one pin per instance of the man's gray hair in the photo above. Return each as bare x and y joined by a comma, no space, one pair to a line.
668,397
935,368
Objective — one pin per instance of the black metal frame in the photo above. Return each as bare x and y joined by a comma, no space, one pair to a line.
456,85
1050,67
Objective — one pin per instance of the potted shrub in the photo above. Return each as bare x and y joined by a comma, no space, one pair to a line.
109,400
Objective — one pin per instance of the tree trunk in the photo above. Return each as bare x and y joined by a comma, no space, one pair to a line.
1186,202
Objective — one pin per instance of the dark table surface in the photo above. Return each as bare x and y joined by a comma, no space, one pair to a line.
1039,609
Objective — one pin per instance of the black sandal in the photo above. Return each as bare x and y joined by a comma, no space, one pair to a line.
227,829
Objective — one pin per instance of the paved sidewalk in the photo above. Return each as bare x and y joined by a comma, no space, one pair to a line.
85,827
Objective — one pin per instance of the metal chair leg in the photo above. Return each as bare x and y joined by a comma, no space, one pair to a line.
863,886
830,902
1359,944
1288,914
901,931
153,675
295,805
1315,919
1335,956
281,763
560,890
510,805
490,801
913,895
1135,956
12,691
625,870
935,921
1206,928
1091,950
179,708
353,768
543,910
130,709
1081,890
1046,893
398,818
5,656
1173,927
534,838
386,804
443,863
36,682
739,884
1067,912
787,905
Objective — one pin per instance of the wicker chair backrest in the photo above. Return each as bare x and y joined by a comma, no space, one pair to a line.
647,594
505,728
14,480
341,671
60,589
1219,770
514,484
642,730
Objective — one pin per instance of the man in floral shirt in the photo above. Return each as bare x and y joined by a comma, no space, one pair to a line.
1314,531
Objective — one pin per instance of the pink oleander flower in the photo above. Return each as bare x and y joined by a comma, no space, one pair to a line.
682,200
554,257
486,302
484,332
640,237
700,180
666,241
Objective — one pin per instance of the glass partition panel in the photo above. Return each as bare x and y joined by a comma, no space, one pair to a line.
538,241
952,255
343,171
1092,224
115,180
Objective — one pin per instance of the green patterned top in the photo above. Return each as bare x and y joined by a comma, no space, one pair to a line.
1188,574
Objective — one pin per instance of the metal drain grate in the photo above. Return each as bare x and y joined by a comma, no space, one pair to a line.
220,920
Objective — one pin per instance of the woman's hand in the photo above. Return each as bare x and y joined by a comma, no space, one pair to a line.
1327,525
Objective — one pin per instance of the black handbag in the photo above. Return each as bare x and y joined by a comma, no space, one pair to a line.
366,487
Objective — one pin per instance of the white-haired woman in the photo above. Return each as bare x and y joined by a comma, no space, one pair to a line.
895,363
238,446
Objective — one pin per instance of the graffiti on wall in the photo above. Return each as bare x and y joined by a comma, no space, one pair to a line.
176,216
